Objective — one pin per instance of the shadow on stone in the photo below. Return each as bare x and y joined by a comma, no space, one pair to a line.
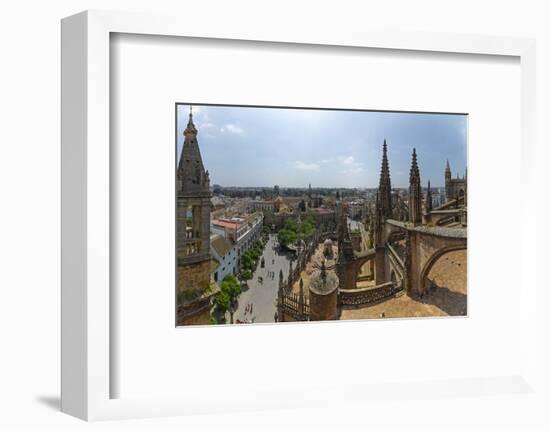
451,302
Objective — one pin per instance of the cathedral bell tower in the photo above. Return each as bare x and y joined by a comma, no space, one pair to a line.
192,223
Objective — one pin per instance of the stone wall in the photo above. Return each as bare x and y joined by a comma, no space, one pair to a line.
196,312
194,276
356,241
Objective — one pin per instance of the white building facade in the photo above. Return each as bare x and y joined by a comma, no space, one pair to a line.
240,233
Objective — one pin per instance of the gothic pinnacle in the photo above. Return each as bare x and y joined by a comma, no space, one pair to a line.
429,203
415,192
384,186
414,164
190,125
385,169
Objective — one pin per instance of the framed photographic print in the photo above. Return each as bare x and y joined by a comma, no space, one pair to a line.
262,245
301,204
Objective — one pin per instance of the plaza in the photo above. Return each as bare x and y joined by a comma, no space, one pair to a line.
263,294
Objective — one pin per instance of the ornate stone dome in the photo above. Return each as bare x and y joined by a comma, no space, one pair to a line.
328,242
323,282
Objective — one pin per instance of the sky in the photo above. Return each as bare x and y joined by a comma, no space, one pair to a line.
250,146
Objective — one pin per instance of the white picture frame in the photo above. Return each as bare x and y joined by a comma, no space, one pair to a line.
86,340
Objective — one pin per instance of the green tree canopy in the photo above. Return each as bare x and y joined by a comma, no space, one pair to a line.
246,274
222,301
287,236
293,231
231,286
247,261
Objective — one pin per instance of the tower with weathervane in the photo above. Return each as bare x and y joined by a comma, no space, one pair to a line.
192,232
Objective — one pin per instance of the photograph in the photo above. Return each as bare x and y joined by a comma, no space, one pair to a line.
292,214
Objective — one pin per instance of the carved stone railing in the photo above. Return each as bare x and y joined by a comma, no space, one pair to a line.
368,295
292,306
190,246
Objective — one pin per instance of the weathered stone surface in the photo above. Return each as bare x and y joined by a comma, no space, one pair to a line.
194,277
323,306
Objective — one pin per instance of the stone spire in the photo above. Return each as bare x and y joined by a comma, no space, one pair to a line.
301,299
429,203
281,289
345,248
190,129
192,176
415,192
290,271
342,229
384,187
448,175
378,221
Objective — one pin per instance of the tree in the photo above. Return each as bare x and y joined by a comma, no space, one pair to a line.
231,286
287,236
291,224
247,261
222,302
293,232
246,274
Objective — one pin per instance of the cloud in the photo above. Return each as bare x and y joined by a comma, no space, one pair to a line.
349,165
347,160
207,125
232,128
306,166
